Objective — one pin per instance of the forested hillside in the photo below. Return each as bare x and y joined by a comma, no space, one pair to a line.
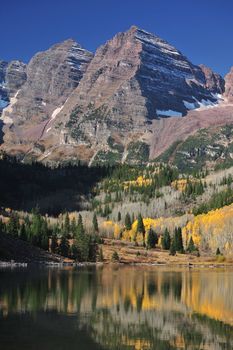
71,210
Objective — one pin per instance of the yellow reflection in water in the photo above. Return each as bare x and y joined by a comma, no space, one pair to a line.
143,289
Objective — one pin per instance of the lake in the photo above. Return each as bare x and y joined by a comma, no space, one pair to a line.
116,307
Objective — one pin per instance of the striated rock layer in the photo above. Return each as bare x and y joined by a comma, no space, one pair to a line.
124,104
51,77
133,79
12,77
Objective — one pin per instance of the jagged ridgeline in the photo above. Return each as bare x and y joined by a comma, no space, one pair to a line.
127,103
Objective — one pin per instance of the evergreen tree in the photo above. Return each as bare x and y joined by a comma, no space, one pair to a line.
82,241
128,224
67,225
191,246
166,240
44,242
74,251
2,226
173,247
54,245
80,228
92,249
178,241
133,218
140,226
35,227
95,223
119,216
152,239
218,252
73,227
13,225
107,210
64,247
22,232
115,256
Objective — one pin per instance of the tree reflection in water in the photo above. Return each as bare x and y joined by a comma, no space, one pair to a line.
116,308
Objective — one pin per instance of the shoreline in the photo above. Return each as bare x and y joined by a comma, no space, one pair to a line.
201,265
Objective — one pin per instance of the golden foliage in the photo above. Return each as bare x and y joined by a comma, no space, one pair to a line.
111,228
181,184
140,181
158,225
212,230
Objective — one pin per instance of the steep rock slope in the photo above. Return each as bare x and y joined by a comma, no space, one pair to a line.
51,77
12,77
132,80
229,86
122,105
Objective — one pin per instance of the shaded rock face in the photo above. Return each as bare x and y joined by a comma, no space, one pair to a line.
12,77
229,86
4,100
132,80
51,77
169,81
213,81
107,107
138,75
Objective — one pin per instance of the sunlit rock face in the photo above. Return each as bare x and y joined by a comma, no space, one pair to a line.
110,107
229,85
134,79
138,75
52,75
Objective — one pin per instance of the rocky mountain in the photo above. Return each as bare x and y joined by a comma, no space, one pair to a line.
114,107
12,77
51,77
213,81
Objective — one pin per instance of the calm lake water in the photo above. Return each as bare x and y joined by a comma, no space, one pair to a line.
116,308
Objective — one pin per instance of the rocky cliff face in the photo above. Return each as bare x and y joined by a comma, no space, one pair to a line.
107,108
51,77
213,81
12,77
133,79
229,86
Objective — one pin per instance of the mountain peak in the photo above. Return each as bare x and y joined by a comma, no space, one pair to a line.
85,104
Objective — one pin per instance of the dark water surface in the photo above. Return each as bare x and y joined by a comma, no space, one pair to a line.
116,308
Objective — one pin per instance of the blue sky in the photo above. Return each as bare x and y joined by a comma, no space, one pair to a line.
201,29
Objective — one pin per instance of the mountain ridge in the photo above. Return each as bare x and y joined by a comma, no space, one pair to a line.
115,101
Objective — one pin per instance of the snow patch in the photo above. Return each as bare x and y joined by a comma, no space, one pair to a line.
6,111
218,97
203,104
48,129
55,112
169,113
206,104
190,105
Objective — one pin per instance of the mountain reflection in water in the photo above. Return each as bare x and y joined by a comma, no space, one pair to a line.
116,308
